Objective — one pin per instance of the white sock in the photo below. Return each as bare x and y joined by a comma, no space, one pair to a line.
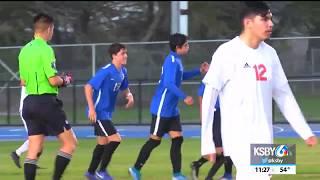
23,148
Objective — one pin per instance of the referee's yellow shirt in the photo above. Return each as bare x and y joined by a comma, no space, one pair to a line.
36,66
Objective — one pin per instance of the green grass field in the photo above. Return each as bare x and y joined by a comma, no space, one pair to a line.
158,167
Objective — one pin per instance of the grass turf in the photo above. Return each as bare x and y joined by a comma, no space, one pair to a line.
158,167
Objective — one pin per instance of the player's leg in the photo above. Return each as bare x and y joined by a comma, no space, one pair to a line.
114,140
58,125
227,168
15,155
36,131
156,133
102,140
216,131
68,143
30,163
195,167
217,164
175,132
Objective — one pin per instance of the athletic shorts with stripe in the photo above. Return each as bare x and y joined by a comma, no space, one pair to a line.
43,114
162,125
104,128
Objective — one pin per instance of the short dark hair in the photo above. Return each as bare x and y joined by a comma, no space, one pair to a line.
42,22
177,39
115,48
253,8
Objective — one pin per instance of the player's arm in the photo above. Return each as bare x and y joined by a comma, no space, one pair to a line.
288,105
291,111
129,97
22,82
94,84
207,112
48,60
88,91
125,88
196,72
170,82
190,74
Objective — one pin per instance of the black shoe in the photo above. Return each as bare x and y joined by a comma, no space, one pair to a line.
16,159
194,170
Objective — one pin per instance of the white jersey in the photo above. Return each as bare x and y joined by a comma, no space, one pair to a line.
247,79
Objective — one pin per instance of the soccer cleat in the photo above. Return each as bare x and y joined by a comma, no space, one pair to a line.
135,173
103,175
226,177
178,176
90,176
16,159
194,170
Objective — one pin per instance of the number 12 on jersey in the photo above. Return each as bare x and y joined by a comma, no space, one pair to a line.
260,72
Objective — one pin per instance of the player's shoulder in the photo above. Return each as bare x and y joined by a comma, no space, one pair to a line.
269,49
106,67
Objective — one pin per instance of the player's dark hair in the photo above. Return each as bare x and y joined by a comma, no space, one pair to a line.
253,8
42,22
115,48
177,39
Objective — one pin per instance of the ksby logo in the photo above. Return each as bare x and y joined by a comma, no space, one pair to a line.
279,151
282,151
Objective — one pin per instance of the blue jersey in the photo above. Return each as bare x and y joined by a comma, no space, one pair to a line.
201,91
106,85
165,100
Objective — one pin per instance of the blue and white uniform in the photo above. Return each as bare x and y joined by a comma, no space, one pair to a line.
165,100
106,85
164,105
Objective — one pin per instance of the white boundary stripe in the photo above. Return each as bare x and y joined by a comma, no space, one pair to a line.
280,129
9,135
159,112
98,99
102,128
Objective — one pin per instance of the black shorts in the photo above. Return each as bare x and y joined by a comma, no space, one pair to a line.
216,129
43,114
162,125
104,128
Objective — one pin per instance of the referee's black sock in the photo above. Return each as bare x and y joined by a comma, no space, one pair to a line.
107,154
62,161
96,158
219,161
145,152
228,165
30,168
175,154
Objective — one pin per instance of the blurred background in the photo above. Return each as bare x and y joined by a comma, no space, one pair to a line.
85,29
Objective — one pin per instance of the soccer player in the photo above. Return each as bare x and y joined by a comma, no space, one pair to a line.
221,159
42,110
101,92
15,155
164,110
246,73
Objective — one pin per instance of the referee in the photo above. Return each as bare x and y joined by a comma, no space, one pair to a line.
42,110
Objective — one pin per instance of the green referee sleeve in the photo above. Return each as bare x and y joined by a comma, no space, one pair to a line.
49,63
